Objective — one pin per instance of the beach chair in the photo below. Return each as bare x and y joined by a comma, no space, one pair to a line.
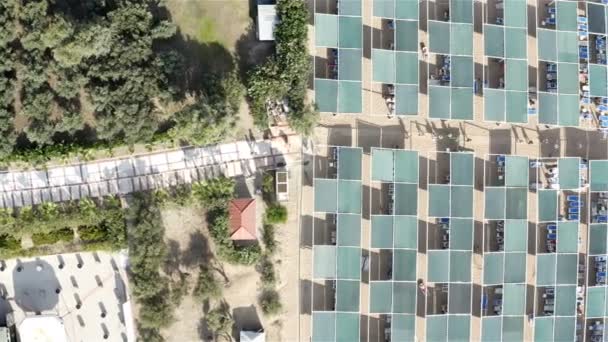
573,217
551,236
572,198
575,204
573,211
444,220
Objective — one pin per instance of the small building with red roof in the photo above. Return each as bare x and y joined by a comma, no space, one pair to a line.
242,219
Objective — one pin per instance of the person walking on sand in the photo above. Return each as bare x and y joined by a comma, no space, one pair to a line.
422,286
423,51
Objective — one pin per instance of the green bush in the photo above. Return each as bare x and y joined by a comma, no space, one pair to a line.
214,193
149,334
182,195
244,255
268,237
160,196
268,184
9,243
268,275
49,238
276,213
219,321
92,233
207,286
270,301
180,288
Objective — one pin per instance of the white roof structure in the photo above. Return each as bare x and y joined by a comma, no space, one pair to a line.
252,336
267,19
42,329
84,303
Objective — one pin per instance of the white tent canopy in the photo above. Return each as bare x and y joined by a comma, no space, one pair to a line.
252,336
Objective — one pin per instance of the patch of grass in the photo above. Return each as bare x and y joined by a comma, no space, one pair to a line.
206,31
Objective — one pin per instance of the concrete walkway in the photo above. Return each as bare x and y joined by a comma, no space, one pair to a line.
140,172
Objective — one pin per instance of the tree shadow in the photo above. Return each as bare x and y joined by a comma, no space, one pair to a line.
250,51
245,318
197,251
173,258
204,333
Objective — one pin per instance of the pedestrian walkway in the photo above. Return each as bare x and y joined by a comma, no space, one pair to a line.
125,175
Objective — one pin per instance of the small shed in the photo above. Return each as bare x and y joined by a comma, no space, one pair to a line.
252,336
242,219
267,20
48,328
282,188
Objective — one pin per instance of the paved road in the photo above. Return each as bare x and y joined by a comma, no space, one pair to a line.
141,172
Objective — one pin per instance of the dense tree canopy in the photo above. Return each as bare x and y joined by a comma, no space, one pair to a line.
83,71
285,75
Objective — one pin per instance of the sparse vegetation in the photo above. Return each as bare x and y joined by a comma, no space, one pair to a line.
268,237
267,273
276,213
270,301
207,286
219,321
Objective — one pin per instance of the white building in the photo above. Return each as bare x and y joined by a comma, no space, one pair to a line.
44,328
267,20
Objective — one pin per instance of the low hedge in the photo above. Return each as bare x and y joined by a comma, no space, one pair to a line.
49,238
